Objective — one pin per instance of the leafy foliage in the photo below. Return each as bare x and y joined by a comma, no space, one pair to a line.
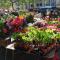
15,35
1,24
37,35
58,35
5,3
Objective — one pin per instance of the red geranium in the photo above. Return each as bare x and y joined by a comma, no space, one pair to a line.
17,22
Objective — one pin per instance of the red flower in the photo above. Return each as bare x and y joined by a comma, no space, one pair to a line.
5,30
17,22
16,30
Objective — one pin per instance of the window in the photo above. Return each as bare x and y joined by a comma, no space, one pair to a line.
37,4
47,2
53,2
40,4
32,5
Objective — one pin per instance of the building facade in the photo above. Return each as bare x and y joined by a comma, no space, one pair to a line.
44,3
39,4
58,3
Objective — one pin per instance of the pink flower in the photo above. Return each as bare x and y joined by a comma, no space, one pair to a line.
58,29
59,19
52,26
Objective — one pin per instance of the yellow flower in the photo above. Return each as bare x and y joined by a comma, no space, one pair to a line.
49,30
21,17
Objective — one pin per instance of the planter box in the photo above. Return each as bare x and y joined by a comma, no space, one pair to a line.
21,55
7,54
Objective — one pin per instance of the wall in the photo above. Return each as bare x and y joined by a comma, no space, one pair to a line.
58,3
